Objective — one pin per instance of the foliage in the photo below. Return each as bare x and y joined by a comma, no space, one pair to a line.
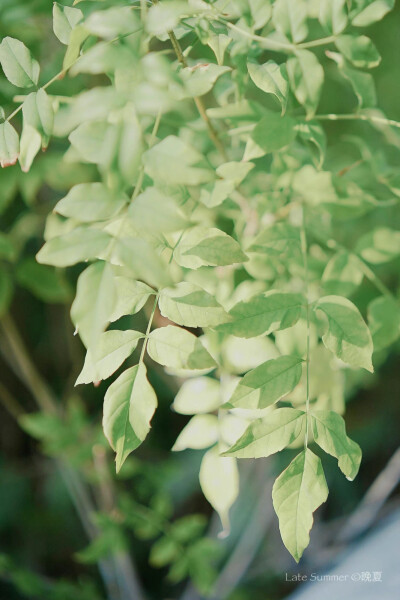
206,189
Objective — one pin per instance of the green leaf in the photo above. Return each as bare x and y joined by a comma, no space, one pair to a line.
9,145
347,336
314,134
164,17
384,321
267,383
274,132
306,77
290,18
141,258
342,274
362,83
201,432
218,44
189,305
112,350
79,245
77,36
296,494
263,314
164,551
18,65
65,19
379,246
329,431
129,405
38,112
367,12
267,436
88,202
177,348
94,302
359,50
131,296
219,480
154,211
277,239
173,161
271,79
198,395
333,15
201,246
30,144
199,79
261,12
234,171
109,23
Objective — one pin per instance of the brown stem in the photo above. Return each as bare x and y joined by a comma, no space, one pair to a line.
198,101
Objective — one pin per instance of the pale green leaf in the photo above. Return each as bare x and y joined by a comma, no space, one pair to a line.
306,78
234,171
110,23
177,348
87,202
359,50
189,305
267,383
201,246
218,44
163,17
18,65
269,435
219,480
379,245
362,83
347,335
30,144
79,245
112,350
154,211
271,79
342,274
173,161
200,79
329,431
65,19
129,405
277,239
94,302
141,258
198,395
77,36
9,145
261,12
274,132
131,296
290,18
384,321
201,432
333,15
367,12
296,494
38,112
263,314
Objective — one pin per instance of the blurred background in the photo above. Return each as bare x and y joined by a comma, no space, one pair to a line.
56,470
